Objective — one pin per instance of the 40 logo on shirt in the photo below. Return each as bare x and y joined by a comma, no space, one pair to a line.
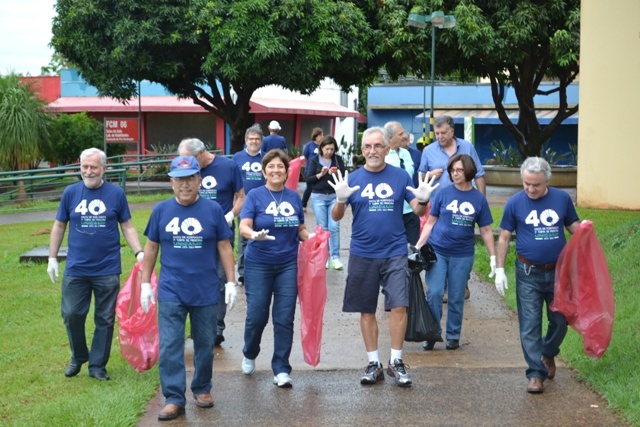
548,218
190,226
382,191
95,207
209,182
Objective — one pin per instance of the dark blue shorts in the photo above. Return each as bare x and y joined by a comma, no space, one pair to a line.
366,276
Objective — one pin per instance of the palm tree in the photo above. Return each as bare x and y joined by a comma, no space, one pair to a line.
23,127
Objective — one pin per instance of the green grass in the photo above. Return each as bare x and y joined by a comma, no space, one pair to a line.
615,376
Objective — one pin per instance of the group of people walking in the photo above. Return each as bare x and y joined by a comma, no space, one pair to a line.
193,234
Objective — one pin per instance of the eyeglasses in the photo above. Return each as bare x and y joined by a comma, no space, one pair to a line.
377,147
188,179
457,170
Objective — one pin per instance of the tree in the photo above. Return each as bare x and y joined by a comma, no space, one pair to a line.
518,43
217,52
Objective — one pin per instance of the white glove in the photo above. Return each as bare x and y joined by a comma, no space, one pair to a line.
311,235
424,190
229,217
262,235
341,186
146,297
501,281
492,264
53,269
140,256
230,294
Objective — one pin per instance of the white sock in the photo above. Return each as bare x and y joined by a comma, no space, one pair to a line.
395,354
373,356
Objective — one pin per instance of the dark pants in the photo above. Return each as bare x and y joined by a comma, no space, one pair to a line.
222,307
411,227
306,195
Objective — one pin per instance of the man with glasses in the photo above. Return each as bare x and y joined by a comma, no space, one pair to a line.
435,158
192,232
222,183
378,251
93,208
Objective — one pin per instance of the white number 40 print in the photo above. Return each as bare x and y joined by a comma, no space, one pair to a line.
465,208
548,218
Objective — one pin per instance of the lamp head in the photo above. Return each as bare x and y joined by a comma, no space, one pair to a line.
417,20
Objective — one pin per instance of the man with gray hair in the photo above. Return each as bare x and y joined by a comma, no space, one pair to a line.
222,183
538,215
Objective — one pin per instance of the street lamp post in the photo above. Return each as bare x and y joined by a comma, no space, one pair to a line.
438,20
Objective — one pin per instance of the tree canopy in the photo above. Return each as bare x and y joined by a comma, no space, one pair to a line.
517,43
218,52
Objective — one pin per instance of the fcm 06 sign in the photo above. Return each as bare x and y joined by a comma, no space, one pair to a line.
120,130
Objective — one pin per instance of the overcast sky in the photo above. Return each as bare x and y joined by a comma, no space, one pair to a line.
25,34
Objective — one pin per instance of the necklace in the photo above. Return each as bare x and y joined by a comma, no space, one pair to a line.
278,204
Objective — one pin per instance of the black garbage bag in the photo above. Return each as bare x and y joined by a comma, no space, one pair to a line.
421,259
421,326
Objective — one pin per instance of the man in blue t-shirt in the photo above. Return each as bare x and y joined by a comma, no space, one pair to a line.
378,252
273,140
310,151
538,215
222,183
193,233
250,162
93,209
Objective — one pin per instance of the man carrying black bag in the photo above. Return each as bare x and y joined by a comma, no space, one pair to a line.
421,326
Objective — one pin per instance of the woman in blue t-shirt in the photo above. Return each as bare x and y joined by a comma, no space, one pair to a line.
273,219
455,210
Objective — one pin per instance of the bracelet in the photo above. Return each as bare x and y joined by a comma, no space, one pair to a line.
136,254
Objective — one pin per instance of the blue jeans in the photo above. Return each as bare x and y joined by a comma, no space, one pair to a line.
222,307
76,300
242,245
534,287
264,281
172,317
454,272
322,212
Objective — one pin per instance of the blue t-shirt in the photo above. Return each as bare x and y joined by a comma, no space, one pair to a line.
250,169
378,230
458,212
310,151
273,141
188,237
434,157
539,224
221,179
93,216
281,213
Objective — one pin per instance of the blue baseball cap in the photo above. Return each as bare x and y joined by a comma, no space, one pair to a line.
184,166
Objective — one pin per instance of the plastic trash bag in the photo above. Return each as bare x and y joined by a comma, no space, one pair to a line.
312,292
421,326
138,332
583,292
293,175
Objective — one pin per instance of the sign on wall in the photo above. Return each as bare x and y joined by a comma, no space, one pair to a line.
118,130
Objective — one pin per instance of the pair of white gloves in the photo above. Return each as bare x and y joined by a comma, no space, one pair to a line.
54,270
343,191
501,278
147,298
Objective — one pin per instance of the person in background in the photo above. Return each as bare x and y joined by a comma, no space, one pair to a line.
310,151
192,232
416,155
323,196
274,140
94,208
221,182
250,162
378,252
399,157
435,158
273,220
538,215
455,210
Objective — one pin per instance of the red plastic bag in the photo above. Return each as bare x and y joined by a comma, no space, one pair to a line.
294,173
583,292
312,292
138,332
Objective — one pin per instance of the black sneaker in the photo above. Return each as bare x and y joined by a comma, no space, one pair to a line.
219,340
398,370
240,280
373,373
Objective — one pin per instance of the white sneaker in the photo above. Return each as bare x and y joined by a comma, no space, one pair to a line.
248,366
283,380
336,264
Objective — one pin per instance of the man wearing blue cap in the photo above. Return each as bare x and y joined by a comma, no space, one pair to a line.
192,232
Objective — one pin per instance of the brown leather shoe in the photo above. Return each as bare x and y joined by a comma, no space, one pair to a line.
467,293
204,400
550,364
170,412
535,385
